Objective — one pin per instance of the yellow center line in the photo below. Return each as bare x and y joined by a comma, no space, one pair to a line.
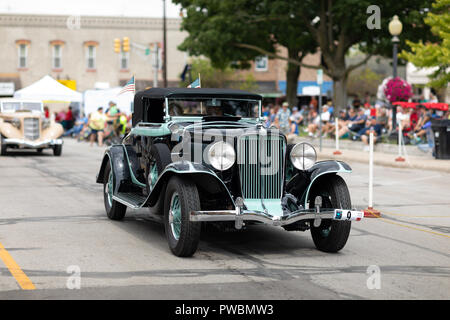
410,216
407,226
20,276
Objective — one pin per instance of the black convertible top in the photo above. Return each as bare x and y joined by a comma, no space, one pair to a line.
161,93
149,104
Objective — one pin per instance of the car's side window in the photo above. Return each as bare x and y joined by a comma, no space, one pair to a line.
154,110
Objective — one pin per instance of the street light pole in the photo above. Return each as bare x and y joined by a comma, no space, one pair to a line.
395,41
164,45
395,28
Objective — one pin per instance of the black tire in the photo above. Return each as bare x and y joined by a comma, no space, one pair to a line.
39,151
114,210
159,156
332,235
189,232
3,146
57,150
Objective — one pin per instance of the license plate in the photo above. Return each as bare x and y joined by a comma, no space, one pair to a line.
349,215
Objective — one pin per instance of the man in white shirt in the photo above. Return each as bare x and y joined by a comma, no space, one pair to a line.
324,116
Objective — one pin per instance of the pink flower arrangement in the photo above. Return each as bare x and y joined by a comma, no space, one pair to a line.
397,89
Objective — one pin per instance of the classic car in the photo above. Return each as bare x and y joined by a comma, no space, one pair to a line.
203,156
23,125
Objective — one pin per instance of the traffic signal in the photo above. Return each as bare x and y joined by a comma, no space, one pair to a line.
117,45
126,44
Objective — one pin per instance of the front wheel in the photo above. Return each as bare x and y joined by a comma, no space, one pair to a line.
3,146
182,235
332,235
114,210
57,150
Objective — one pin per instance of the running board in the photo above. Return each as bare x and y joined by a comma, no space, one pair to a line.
130,199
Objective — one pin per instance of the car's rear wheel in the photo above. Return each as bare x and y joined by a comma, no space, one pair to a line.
57,150
159,159
3,146
182,235
332,235
114,210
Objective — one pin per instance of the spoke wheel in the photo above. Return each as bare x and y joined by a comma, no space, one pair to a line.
109,189
114,210
180,199
3,146
152,176
175,216
332,235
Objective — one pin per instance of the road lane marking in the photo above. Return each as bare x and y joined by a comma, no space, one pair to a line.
20,276
414,228
410,216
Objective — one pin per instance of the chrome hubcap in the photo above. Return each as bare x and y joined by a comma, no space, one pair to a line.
109,189
175,216
152,176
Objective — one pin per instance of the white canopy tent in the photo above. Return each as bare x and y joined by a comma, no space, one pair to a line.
93,99
48,89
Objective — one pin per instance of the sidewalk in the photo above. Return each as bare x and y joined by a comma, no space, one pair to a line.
383,157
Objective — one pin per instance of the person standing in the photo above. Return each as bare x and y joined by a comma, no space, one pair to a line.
46,112
97,125
69,119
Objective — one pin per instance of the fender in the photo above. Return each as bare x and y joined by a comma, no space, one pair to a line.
323,168
198,173
119,155
116,157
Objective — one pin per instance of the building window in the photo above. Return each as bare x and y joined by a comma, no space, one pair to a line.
23,52
90,56
262,63
57,52
124,60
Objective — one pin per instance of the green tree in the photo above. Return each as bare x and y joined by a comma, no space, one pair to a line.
240,29
236,32
434,54
339,25
212,77
363,81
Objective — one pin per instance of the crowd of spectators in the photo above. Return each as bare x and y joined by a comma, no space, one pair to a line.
353,122
100,125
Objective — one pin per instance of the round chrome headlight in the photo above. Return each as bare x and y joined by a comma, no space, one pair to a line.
221,155
303,156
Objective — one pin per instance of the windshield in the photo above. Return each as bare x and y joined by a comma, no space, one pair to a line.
10,106
214,107
31,106
17,106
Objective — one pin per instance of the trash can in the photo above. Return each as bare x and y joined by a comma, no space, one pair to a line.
441,130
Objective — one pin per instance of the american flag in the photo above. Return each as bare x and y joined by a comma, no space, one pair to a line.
129,87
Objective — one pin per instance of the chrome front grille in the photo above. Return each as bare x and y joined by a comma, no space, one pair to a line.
261,166
31,128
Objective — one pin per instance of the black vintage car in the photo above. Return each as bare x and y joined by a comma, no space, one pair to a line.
204,156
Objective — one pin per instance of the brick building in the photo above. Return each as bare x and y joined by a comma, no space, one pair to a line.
81,49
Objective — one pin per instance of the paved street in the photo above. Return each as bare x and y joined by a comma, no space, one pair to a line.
52,217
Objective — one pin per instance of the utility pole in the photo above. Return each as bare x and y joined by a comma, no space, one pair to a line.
155,65
164,45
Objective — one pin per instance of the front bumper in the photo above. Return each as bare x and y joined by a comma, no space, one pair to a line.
239,216
31,144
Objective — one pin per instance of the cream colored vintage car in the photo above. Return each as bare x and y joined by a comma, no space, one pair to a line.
23,125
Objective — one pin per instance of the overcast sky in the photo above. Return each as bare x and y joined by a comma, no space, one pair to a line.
127,8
